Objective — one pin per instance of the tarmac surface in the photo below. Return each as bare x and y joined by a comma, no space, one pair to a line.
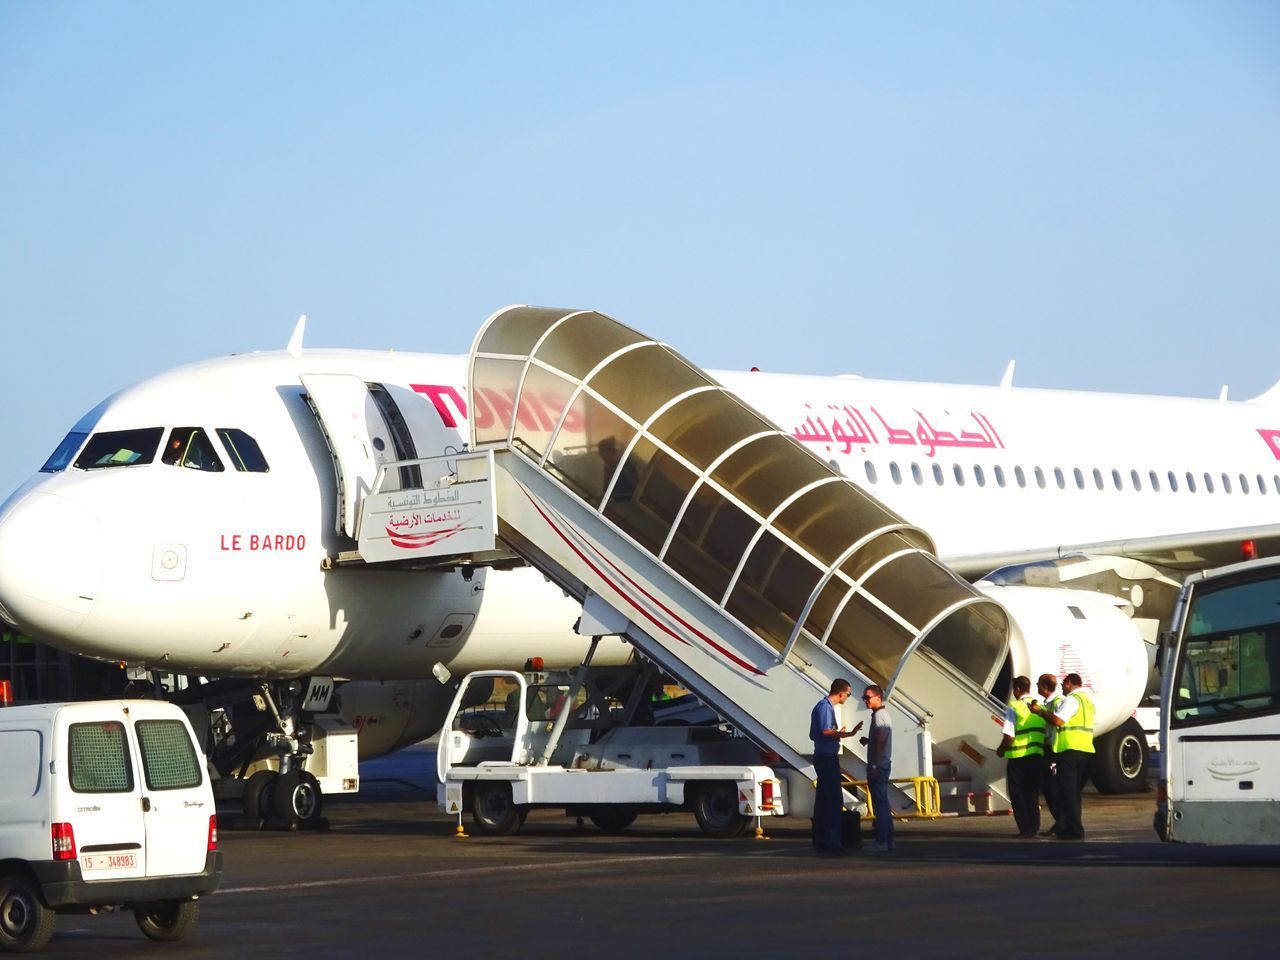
388,878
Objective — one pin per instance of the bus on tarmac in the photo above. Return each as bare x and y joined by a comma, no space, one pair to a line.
1220,709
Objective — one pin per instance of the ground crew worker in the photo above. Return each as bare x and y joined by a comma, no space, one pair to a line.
1047,687
1023,748
1072,751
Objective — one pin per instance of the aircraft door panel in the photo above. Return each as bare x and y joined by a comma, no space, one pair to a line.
359,439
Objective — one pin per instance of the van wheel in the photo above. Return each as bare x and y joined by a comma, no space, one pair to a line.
715,807
257,796
296,799
26,924
167,920
493,810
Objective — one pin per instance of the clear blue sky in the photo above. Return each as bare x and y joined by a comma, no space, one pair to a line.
918,191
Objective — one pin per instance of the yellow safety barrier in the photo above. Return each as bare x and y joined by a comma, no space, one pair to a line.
928,796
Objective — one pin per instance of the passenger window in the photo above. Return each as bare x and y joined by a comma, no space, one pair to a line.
1173,482
1244,483
1155,480
1058,476
959,475
1137,480
243,451
1226,484
1276,478
1208,482
979,476
1262,485
1040,478
1097,478
168,758
1020,477
871,471
59,459
98,758
120,448
937,475
894,472
1115,479
1079,475
999,471
917,474
190,447
1191,483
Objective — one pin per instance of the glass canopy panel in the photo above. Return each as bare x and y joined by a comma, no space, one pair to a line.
917,588
517,329
828,519
704,425
588,448
710,541
768,470
869,639
824,608
648,494
582,341
974,640
493,398
542,400
872,552
642,380
778,581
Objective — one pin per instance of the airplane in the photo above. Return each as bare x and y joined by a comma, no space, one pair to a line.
196,523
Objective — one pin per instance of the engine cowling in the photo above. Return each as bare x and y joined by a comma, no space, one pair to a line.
1059,631
390,715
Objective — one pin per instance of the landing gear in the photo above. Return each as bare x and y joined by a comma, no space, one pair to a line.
296,799
1120,760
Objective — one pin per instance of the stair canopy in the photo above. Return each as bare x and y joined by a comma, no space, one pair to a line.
772,535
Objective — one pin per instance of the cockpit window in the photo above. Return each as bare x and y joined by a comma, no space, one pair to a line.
59,459
191,447
243,450
120,448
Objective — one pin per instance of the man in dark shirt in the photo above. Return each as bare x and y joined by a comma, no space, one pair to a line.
826,735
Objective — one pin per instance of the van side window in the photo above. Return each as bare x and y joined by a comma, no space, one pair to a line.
119,448
190,447
168,759
98,758
243,450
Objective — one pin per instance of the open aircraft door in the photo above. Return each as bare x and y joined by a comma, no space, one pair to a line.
368,425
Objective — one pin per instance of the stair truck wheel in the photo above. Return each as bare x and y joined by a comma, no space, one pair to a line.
493,810
715,807
613,819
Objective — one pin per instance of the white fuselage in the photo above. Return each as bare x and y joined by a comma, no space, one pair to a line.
221,572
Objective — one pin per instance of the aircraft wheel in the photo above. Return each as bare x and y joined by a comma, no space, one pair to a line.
715,807
167,920
493,810
26,924
296,799
1119,764
256,801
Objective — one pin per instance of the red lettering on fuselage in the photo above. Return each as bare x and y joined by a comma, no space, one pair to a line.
249,542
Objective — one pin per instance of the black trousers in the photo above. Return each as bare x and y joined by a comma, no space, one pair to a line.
1048,787
1073,768
1024,775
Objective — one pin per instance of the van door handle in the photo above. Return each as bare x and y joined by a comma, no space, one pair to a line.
146,804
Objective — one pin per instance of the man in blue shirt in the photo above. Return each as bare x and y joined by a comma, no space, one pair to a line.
826,735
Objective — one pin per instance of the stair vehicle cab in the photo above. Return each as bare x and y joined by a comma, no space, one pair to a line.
103,805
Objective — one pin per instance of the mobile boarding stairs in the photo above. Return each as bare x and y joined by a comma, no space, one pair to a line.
728,554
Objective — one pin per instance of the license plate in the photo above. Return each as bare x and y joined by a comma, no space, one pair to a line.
109,861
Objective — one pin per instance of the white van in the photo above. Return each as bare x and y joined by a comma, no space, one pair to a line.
102,804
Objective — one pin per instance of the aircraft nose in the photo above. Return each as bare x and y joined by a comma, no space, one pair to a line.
51,564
